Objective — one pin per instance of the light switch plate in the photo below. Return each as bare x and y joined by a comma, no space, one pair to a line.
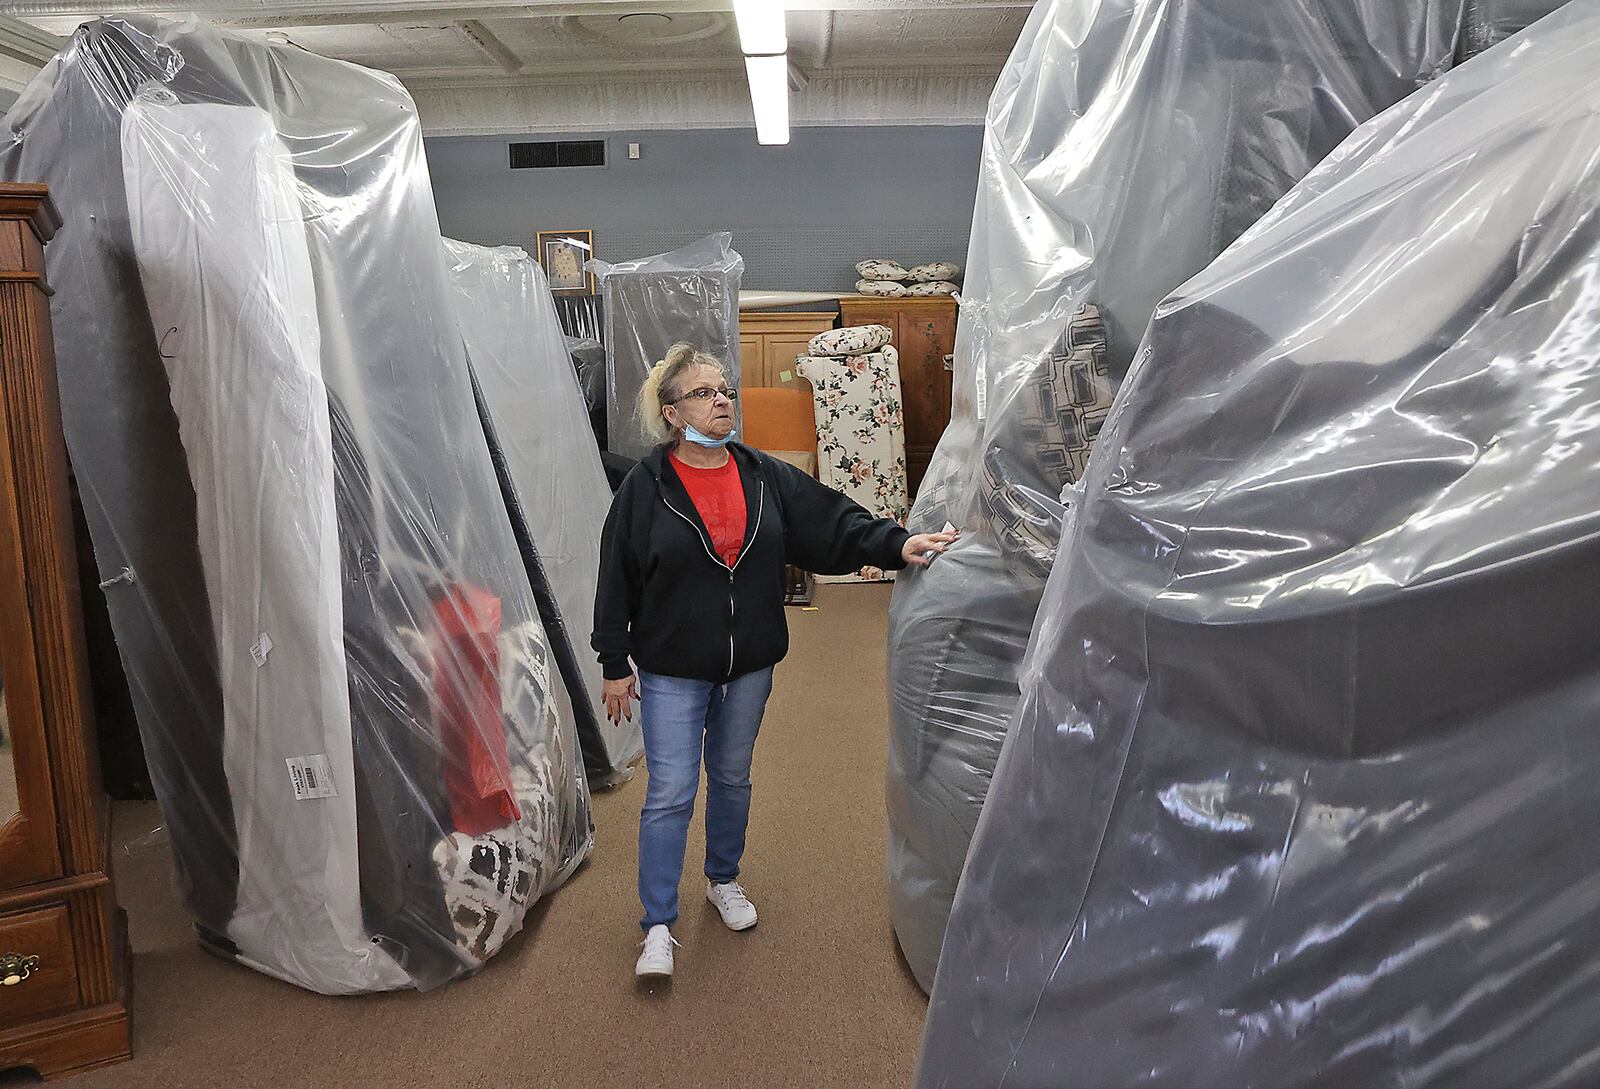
633,151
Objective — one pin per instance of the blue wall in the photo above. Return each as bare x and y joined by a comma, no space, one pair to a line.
801,215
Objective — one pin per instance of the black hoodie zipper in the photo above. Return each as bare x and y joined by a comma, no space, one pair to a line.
761,504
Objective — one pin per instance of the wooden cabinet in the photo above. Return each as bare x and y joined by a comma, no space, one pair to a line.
924,333
769,343
63,940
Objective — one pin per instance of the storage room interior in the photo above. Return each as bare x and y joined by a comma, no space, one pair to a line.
945,544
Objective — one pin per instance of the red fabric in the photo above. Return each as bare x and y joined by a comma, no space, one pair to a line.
718,494
466,680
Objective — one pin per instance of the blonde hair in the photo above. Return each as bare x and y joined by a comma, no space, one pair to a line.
664,386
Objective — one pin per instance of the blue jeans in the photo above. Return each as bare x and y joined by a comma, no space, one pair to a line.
681,718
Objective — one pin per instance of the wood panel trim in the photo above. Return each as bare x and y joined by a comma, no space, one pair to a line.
28,844
31,203
20,899
93,934
35,278
38,466
901,302
72,1044
796,320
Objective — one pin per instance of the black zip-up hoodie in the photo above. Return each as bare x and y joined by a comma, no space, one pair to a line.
667,601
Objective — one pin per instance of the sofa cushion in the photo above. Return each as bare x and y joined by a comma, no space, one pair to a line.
877,268
934,270
851,340
880,287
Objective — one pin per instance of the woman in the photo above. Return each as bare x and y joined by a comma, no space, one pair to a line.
691,588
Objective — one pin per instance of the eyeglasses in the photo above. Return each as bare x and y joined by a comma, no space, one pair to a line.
706,393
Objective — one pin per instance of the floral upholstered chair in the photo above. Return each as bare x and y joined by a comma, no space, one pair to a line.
861,443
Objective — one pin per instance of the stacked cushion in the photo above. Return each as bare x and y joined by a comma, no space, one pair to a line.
877,268
891,279
851,340
888,288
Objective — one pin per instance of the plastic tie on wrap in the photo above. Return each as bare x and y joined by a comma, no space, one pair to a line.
126,575
153,839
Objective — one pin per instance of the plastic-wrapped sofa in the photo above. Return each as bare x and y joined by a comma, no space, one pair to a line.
1302,783
1127,143
364,759
550,472
652,303
1489,22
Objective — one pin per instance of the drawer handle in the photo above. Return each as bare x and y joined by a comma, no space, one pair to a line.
16,968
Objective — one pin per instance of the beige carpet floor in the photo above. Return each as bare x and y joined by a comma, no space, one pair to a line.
816,996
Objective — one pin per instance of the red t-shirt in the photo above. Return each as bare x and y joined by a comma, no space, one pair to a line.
718,496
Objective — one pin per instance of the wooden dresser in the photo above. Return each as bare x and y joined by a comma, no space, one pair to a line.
924,333
769,343
63,941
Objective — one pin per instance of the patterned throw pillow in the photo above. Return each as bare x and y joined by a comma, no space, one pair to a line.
861,442
877,268
1055,420
851,340
488,883
880,287
933,287
934,270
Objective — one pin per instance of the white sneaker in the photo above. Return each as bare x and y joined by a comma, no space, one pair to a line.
732,904
656,960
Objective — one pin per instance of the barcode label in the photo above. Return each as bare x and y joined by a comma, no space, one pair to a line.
311,777
260,649
983,394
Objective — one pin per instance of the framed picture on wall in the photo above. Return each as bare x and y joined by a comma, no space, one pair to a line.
562,255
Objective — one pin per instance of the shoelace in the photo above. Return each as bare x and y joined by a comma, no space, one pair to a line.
670,938
733,895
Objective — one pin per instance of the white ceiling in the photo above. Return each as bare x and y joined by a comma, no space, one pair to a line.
482,66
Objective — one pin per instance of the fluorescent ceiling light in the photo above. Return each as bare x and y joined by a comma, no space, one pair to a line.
769,94
761,30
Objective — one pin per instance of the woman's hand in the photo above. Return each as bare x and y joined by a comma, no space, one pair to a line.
920,550
619,696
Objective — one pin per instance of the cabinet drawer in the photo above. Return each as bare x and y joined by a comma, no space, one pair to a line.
45,933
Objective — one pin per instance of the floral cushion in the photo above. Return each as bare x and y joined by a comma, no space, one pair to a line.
851,340
861,442
877,268
934,270
933,287
879,287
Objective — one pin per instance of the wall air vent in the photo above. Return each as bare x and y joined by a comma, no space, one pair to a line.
546,154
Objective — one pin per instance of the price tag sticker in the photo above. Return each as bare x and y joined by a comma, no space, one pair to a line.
311,777
260,649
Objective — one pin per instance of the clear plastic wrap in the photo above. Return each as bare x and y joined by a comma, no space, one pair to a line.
1489,22
554,484
1301,788
343,686
1127,143
651,304
589,361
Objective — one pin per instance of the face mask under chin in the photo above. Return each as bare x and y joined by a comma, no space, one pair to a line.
693,434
